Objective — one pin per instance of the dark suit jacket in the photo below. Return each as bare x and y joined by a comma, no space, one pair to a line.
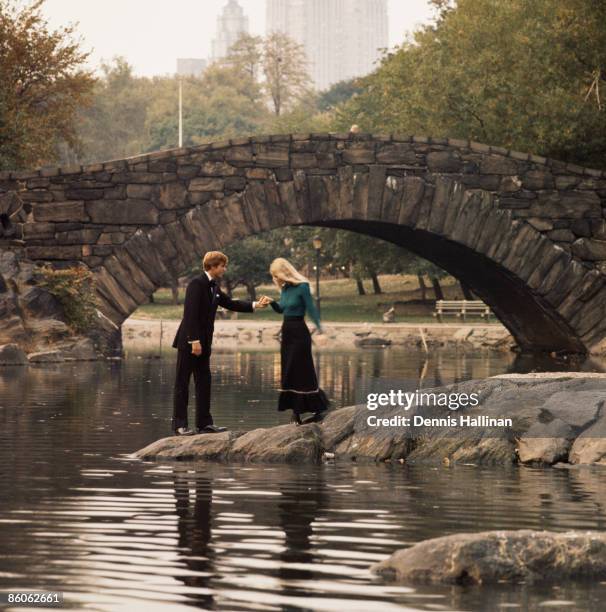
199,312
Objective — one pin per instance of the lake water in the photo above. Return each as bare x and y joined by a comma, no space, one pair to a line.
78,516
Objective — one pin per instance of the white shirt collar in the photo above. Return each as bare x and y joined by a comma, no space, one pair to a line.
208,276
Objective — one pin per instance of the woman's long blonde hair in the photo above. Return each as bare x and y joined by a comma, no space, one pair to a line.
282,270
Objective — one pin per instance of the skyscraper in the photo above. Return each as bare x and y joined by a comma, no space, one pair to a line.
342,38
231,23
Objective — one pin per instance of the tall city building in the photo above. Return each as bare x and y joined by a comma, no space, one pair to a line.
190,66
231,23
342,38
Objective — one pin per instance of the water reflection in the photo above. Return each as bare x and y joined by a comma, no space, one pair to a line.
78,517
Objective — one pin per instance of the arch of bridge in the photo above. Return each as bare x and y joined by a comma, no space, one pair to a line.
525,233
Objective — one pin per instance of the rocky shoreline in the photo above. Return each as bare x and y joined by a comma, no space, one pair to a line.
550,419
250,334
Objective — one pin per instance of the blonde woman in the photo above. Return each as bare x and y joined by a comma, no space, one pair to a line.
299,390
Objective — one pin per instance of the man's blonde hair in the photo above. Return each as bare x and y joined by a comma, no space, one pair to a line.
214,258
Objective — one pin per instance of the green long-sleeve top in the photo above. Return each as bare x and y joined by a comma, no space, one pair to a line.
295,300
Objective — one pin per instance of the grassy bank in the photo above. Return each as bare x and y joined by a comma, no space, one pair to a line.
340,301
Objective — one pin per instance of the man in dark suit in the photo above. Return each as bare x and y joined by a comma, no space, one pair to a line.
194,342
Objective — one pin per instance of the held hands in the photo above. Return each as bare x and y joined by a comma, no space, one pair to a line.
264,302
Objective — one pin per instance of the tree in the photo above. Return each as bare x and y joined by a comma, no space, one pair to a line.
43,84
285,71
523,74
114,126
246,56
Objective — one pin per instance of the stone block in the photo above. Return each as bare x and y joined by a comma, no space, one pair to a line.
398,153
73,252
140,192
38,231
61,211
537,179
119,212
359,155
444,161
132,270
82,236
172,196
566,204
412,197
589,249
216,169
303,160
206,184
498,164
145,255
267,156
83,194
235,183
561,235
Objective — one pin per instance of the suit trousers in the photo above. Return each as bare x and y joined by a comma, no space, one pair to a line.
188,364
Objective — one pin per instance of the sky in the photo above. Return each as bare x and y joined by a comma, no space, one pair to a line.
152,34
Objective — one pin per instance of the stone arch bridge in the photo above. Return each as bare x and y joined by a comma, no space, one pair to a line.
525,233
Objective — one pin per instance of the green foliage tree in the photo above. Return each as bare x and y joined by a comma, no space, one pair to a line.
42,85
524,74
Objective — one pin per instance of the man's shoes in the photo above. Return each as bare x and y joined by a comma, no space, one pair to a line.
211,429
183,431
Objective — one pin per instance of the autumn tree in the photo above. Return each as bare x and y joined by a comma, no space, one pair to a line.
285,72
43,83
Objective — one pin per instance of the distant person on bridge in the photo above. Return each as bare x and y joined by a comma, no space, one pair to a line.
194,342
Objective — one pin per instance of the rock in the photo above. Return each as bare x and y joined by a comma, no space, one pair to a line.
80,350
282,444
203,446
48,330
590,446
41,303
546,443
499,556
547,413
373,341
46,357
11,354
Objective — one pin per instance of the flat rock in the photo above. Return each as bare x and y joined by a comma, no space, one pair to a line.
11,354
282,444
202,446
499,556
82,349
546,442
46,357
590,446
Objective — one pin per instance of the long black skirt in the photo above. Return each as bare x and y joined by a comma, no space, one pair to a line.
299,389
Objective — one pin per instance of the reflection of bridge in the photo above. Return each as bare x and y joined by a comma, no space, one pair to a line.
527,234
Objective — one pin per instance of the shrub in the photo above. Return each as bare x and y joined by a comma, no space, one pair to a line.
75,290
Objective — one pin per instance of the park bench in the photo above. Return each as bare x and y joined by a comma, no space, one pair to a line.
461,308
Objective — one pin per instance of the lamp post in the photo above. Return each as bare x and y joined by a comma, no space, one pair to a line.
317,242
180,112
